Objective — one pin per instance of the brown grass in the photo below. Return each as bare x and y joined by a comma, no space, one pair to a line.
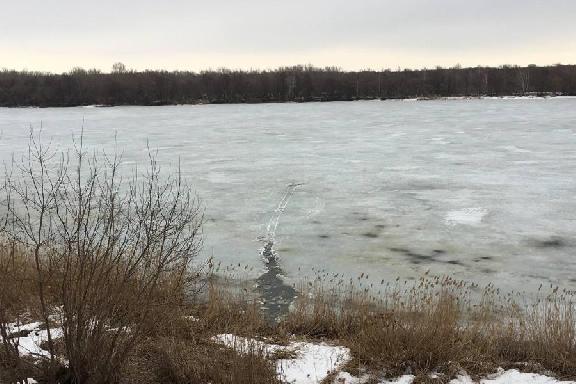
176,346
182,352
18,291
436,325
195,361
440,325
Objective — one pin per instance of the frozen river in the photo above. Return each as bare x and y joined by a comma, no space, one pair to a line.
483,189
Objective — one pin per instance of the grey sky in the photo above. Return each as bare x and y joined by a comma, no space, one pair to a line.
177,34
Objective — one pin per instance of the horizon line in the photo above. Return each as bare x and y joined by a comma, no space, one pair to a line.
283,67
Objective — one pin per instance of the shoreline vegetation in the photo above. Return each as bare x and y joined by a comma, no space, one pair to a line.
121,87
99,284
433,330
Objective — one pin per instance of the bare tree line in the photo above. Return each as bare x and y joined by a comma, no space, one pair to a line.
299,83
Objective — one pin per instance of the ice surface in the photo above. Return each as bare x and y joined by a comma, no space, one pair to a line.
486,183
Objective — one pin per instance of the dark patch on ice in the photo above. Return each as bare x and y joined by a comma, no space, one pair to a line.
363,218
371,235
316,222
539,277
552,242
324,236
380,226
413,186
400,250
267,251
487,271
275,294
486,258
414,258
418,256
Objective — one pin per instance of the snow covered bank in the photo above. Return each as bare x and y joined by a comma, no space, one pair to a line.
298,363
512,376
312,362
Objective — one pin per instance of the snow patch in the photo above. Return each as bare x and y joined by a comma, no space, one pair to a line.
406,379
466,216
30,344
512,376
312,364
346,378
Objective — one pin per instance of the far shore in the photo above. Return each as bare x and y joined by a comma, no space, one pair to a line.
539,96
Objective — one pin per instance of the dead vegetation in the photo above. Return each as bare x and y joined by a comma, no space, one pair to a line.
440,325
175,346
437,325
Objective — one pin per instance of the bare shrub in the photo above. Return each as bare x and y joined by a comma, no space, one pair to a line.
116,251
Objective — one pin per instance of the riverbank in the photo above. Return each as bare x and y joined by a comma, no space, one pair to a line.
434,330
533,96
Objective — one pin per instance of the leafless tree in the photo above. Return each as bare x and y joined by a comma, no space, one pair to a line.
115,251
524,78
118,68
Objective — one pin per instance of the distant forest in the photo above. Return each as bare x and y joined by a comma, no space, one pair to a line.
299,83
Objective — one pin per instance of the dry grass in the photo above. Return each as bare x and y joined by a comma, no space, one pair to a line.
182,352
18,286
18,304
196,361
176,346
433,325
224,310
440,325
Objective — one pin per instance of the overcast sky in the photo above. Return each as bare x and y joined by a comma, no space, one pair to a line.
57,35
